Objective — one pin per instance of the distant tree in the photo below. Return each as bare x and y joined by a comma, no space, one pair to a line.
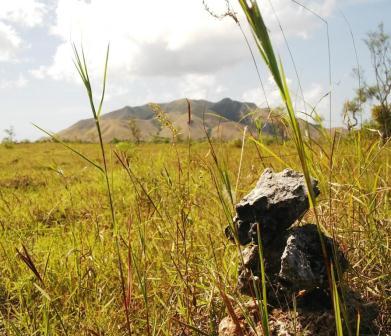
382,115
135,130
379,93
351,108
10,136
379,45
276,125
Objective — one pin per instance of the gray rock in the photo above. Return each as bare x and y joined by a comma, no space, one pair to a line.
277,201
249,271
295,262
303,262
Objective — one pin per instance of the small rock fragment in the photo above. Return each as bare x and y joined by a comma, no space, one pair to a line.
304,321
281,322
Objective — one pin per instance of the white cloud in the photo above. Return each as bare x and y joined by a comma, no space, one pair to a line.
198,86
296,20
161,38
152,38
314,94
28,13
9,42
20,82
314,101
271,95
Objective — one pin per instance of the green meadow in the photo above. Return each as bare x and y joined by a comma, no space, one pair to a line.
128,239
163,269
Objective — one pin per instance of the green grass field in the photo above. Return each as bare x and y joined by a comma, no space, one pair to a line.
129,239
162,270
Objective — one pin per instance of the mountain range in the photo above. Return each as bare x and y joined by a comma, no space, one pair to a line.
224,119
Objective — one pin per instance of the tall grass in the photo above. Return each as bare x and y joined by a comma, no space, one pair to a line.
81,67
265,48
69,216
148,242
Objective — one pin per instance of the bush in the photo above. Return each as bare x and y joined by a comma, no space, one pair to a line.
126,147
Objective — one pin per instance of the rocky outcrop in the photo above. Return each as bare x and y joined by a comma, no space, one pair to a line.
276,202
292,263
297,259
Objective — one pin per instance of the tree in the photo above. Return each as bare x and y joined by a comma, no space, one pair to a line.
379,45
136,132
10,138
349,112
382,115
379,93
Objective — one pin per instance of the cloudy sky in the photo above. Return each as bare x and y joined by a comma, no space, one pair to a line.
165,50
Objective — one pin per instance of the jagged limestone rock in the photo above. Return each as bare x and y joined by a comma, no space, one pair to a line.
276,202
294,263
303,263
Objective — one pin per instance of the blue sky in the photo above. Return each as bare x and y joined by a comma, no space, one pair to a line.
165,50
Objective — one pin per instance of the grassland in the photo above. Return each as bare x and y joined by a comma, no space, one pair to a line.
65,271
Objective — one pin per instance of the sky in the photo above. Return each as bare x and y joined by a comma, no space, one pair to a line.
166,50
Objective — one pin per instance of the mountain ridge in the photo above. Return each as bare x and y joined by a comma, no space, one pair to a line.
224,119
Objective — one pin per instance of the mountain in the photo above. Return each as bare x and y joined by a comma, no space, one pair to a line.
224,119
